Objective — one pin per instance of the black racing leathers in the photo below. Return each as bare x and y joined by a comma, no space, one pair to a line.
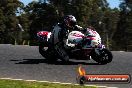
58,36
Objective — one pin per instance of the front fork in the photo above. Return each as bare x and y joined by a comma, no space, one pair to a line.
97,50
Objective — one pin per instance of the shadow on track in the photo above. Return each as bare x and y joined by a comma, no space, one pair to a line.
38,61
29,61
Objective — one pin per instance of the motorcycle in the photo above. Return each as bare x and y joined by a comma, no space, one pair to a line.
79,45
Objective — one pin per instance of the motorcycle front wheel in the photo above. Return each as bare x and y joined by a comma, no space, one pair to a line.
104,56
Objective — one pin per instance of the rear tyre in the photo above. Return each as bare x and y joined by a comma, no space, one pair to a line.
104,57
47,54
62,54
43,51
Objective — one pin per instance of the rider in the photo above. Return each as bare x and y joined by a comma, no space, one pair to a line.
60,34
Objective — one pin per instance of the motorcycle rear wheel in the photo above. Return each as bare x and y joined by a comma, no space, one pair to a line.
104,57
47,54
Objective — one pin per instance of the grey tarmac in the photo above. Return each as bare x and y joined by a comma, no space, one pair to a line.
25,62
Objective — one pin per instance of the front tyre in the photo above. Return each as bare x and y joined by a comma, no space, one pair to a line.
104,56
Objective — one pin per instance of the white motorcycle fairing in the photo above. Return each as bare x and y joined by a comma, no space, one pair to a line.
76,37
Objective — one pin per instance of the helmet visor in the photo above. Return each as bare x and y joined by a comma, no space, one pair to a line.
72,23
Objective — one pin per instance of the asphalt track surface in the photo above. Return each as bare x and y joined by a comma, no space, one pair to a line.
25,62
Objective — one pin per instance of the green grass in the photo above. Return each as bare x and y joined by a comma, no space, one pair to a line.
25,84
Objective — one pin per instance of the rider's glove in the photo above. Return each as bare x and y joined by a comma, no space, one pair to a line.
77,27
